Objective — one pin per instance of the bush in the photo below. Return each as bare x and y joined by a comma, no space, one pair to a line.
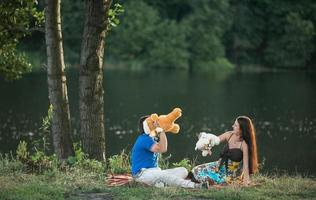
119,164
37,162
9,164
186,163
81,160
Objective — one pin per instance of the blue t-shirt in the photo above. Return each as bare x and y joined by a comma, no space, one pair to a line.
142,157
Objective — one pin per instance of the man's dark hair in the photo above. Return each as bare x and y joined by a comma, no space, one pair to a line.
140,124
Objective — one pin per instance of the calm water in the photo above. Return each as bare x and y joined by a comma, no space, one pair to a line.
282,106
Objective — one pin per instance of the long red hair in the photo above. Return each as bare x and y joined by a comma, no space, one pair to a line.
249,136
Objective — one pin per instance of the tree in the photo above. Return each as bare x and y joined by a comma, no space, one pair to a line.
292,32
246,38
18,19
148,41
57,87
91,104
208,22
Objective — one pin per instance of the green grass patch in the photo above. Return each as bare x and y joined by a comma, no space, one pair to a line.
269,188
39,176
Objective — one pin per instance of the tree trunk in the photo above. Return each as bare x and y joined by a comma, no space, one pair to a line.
61,127
91,105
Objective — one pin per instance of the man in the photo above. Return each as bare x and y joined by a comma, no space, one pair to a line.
144,160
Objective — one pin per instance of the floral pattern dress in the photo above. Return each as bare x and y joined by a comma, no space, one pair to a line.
218,173
226,170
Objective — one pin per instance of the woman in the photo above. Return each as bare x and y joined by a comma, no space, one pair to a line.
238,159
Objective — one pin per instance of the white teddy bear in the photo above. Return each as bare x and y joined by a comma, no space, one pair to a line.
206,142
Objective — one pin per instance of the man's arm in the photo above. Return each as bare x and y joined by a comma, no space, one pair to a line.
162,145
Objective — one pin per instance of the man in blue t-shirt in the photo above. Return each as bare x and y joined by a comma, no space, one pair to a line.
144,160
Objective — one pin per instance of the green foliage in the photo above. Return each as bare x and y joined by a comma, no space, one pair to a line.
73,182
22,151
186,163
114,12
208,22
155,42
8,164
79,155
81,160
131,41
41,162
81,185
12,63
275,34
293,45
194,35
43,143
91,165
163,161
17,16
148,40
169,49
245,38
72,25
119,164
37,162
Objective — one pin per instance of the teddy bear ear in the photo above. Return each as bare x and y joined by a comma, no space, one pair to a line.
154,117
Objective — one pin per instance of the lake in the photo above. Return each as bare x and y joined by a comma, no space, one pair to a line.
281,104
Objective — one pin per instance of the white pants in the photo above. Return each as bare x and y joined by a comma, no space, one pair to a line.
170,177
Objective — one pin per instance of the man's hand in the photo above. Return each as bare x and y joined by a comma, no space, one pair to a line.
159,130
161,146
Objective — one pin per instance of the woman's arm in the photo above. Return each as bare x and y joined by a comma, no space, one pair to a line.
245,173
224,137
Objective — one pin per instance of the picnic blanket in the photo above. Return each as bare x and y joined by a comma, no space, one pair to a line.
119,179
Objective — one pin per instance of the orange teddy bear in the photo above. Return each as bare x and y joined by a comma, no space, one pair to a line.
166,122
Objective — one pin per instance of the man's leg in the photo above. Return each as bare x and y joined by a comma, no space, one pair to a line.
156,177
180,172
149,176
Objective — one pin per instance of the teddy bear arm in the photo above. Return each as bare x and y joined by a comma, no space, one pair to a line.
173,115
175,129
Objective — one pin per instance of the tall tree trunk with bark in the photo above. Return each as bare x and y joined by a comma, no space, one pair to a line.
61,127
91,104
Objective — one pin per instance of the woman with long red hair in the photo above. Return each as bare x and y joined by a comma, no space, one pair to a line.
238,159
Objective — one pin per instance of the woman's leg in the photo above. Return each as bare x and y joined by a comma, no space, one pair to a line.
207,172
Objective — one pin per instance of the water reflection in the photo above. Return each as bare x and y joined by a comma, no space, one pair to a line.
282,106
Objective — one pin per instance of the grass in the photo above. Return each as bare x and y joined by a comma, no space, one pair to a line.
270,188
83,178
69,183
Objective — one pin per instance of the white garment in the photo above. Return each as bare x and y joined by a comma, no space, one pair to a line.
170,177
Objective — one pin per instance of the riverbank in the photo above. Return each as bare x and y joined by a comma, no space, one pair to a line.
33,174
75,183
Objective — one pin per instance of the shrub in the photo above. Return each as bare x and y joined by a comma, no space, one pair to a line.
186,163
81,160
119,164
